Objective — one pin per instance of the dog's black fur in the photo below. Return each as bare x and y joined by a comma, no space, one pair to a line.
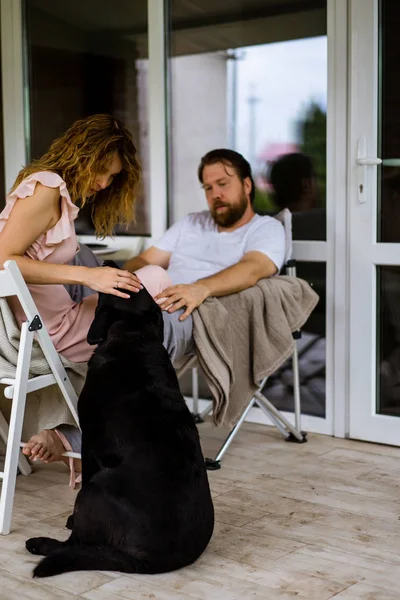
145,503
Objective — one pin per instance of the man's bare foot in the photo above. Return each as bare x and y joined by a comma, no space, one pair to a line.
45,446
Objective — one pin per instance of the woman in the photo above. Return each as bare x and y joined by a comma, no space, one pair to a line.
93,162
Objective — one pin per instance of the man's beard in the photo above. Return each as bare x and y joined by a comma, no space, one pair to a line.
231,215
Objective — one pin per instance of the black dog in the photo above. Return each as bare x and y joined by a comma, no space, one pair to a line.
145,503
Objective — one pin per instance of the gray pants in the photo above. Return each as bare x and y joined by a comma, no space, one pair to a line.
178,338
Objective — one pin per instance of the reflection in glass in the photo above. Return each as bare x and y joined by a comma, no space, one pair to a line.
388,340
312,354
82,62
294,184
293,118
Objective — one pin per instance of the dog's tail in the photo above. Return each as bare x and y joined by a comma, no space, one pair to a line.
90,558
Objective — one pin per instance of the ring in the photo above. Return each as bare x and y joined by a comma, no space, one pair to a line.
116,285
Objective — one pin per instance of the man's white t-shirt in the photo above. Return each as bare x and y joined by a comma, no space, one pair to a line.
200,250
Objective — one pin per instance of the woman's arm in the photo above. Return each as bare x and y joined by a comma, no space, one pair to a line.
33,216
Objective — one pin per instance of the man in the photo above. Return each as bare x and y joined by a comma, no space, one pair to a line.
217,252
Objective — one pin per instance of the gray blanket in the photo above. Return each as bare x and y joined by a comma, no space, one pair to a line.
45,408
243,338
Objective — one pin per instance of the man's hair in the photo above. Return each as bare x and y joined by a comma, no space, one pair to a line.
286,175
229,158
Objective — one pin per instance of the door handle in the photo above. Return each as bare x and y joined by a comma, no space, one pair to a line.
363,162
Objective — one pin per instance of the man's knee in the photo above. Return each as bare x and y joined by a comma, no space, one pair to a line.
178,335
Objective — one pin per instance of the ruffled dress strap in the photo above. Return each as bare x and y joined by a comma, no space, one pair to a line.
44,245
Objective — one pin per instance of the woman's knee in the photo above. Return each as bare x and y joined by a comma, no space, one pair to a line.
154,278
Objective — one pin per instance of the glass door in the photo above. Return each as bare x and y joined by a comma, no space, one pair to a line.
375,222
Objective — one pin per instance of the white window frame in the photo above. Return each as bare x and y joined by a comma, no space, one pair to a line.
337,217
334,252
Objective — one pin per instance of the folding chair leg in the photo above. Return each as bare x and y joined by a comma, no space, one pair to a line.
296,387
195,395
15,430
206,411
213,464
186,366
269,409
23,463
274,420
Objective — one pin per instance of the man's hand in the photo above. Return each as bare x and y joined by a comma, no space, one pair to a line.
183,295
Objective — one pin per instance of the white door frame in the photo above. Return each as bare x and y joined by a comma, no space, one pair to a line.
337,221
365,252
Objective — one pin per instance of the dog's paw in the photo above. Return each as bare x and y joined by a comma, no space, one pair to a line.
40,570
36,545
43,546
70,522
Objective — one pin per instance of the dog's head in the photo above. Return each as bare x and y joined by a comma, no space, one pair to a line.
138,313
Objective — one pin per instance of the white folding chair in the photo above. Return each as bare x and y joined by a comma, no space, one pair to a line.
13,284
292,433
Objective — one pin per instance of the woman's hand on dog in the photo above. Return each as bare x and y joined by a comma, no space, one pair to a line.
188,295
112,281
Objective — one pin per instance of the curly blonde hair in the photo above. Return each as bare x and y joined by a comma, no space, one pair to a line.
84,151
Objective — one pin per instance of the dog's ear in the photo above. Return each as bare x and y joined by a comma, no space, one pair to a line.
160,326
102,319
110,263
101,323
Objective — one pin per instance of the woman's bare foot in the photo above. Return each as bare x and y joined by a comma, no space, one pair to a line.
45,446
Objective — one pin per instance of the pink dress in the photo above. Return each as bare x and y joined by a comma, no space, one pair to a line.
66,321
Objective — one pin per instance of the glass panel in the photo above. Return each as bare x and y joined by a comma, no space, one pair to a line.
287,152
388,277
86,58
242,76
312,355
388,124
388,341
